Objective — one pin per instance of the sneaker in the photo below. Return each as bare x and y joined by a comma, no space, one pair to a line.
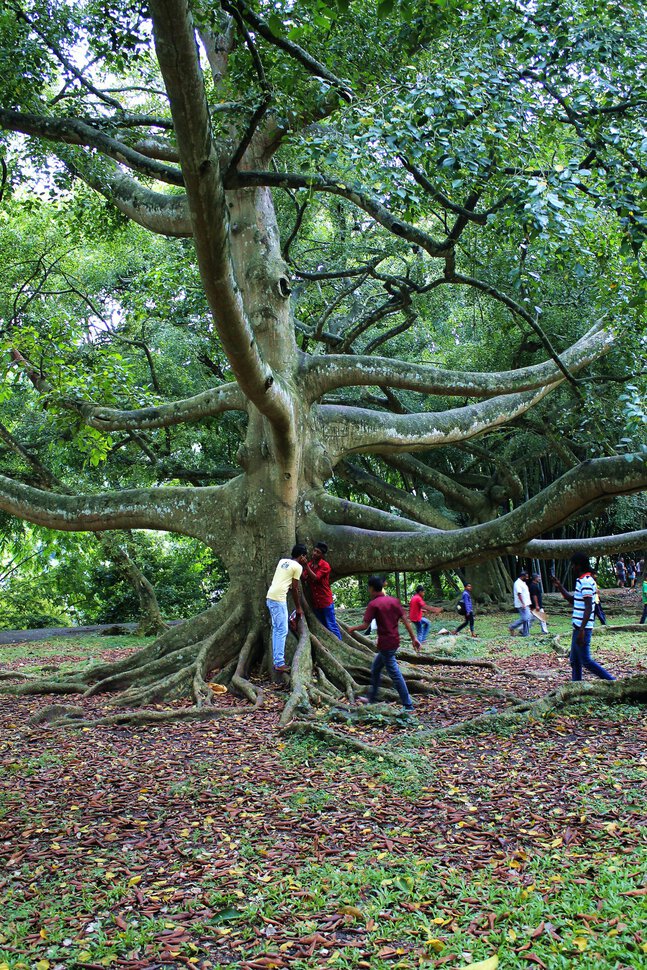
282,669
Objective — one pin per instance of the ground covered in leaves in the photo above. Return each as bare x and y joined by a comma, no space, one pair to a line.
227,844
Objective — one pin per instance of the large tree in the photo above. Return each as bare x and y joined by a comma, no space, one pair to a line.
346,172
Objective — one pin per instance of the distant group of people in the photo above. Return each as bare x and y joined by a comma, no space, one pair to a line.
528,598
629,572
386,612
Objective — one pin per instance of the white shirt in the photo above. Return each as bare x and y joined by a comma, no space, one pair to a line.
521,593
286,571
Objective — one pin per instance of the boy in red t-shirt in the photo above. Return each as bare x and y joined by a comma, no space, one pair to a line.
317,575
417,609
387,612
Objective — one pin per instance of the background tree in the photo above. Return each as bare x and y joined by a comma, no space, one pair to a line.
343,172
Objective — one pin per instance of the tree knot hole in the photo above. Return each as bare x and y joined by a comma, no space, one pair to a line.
284,287
268,382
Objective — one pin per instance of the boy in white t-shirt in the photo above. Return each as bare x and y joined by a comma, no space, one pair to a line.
286,577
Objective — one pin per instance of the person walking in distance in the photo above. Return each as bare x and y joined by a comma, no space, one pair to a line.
537,601
522,605
388,613
468,611
583,602
419,611
643,618
620,572
286,577
317,576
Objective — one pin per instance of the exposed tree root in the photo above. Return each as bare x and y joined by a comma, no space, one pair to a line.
301,675
432,659
68,717
239,678
620,628
339,739
14,675
631,690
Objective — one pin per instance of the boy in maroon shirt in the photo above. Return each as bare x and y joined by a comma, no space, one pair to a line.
317,575
387,612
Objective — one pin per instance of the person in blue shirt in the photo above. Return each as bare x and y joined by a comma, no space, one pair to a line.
583,602
468,608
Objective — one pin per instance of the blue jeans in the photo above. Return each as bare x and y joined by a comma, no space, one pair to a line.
581,657
279,614
524,621
643,618
326,615
386,658
422,626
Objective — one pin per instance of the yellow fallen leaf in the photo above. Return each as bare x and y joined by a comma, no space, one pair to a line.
43,934
42,965
512,936
108,876
84,956
491,964
580,943
350,911
134,881
434,944
218,688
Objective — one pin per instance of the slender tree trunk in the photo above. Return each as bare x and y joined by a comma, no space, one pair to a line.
150,617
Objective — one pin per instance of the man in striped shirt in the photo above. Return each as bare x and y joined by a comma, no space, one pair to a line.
583,602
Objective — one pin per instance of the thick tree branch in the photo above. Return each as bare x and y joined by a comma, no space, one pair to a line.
73,131
204,405
170,509
410,505
178,59
563,548
325,373
459,495
167,215
349,430
339,511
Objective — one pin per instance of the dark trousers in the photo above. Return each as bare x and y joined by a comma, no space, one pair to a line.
599,612
581,657
469,618
643,618
326,615
386,658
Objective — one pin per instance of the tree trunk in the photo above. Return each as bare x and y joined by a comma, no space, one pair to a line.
490,582
150,617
